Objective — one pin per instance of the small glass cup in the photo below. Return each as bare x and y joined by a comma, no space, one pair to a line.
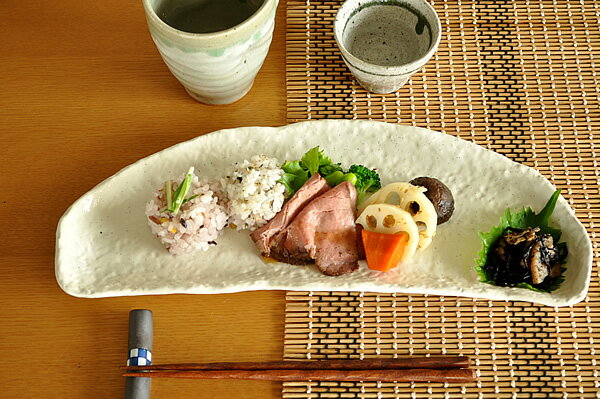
384,42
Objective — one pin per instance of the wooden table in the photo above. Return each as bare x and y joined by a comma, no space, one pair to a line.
85,93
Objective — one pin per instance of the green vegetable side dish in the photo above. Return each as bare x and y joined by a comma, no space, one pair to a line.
367,180
176,199
519,224
296,173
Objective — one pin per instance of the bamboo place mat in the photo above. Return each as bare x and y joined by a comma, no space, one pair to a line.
519,78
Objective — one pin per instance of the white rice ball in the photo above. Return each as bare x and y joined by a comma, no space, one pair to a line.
254,195
198,223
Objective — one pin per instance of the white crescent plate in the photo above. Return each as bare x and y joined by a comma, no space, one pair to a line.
105,248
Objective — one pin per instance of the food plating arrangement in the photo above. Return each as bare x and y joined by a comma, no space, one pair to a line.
305,211
343,218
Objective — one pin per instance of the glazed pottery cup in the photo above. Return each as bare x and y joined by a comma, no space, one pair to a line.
219,67
384,42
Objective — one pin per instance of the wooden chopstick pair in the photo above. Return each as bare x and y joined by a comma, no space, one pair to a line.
451,369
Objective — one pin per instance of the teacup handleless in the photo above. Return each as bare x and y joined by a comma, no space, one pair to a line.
384,42
217,67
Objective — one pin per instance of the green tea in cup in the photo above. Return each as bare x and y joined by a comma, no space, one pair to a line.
206,16
384,42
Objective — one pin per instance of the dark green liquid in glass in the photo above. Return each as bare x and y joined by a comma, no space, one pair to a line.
206,16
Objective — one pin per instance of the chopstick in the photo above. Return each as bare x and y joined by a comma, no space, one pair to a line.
430,362
413,369
400,375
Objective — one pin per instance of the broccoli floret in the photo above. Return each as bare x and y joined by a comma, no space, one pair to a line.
367,180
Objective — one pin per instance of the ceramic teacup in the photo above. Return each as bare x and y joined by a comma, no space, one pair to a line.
384,42
218,67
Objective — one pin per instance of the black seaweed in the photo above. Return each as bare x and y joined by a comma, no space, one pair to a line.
508,262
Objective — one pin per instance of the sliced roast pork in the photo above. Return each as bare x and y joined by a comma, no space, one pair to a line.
323,232
263,236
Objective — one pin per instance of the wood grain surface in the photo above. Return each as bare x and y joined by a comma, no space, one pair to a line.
85,93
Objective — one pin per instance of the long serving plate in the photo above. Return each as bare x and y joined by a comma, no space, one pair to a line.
104,246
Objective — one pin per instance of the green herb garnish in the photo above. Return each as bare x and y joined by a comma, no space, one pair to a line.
294,177
190,198
177,199
335,178
169,194
329,169
522,219
311,160
296,173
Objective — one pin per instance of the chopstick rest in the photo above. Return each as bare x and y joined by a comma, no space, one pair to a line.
139,357
140,352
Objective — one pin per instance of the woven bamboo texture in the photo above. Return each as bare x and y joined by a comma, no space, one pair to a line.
517,77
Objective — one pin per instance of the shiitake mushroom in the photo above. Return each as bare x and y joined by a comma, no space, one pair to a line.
439,195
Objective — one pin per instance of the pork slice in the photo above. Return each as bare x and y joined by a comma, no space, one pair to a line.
323,232
263,236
